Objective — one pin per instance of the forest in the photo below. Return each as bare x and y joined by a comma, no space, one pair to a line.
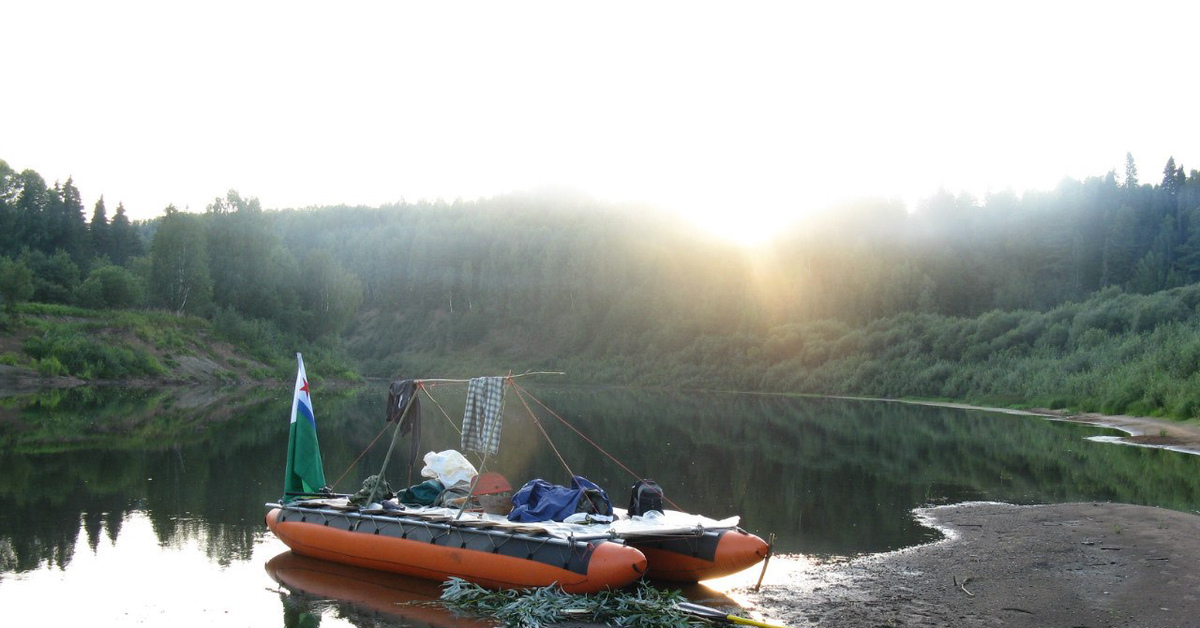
1083,296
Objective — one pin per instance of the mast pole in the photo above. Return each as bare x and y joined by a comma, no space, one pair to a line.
395,437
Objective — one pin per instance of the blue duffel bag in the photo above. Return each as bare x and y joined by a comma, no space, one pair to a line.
540,500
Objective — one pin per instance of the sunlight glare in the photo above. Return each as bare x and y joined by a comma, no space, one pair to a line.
749,229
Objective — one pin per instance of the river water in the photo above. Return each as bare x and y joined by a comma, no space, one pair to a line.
146,506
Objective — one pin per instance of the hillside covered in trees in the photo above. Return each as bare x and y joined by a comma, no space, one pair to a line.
1084,295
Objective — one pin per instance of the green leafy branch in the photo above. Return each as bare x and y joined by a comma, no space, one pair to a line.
645,607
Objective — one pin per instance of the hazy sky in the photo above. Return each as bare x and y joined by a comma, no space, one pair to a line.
742,115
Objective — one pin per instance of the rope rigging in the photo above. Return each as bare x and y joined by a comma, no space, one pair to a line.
636,476
424,386
541,429
360,457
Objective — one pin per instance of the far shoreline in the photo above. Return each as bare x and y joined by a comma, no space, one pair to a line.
1183,437
1180,436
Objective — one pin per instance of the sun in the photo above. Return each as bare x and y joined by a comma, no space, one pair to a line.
748,232
747,223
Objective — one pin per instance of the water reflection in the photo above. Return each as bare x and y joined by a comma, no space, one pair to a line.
134,580
318,587
191,469
839,477
75,462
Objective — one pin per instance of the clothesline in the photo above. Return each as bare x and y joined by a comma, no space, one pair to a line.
419,387
464,381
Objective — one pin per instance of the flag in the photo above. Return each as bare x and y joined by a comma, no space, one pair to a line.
304,473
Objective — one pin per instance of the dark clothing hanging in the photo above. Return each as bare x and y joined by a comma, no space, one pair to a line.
399,392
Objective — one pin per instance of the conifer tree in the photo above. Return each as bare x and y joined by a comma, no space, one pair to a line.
124,241
1131,178
8,211
99,231
1173,178
29,210
70,224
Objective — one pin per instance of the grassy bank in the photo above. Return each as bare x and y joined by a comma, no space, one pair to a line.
54,343
1114,353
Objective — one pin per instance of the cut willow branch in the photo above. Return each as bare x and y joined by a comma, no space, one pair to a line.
645,607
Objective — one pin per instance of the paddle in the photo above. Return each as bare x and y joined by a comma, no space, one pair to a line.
713,614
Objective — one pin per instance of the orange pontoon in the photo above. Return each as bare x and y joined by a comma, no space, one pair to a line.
710,554
438,550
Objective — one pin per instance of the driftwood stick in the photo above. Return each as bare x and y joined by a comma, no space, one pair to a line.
766,559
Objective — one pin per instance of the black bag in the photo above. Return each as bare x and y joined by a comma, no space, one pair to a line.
644,497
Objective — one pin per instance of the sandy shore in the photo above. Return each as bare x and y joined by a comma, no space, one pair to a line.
1143,431
1093,565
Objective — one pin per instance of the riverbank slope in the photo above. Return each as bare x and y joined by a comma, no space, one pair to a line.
54,346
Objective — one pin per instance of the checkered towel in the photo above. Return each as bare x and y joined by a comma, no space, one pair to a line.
482,416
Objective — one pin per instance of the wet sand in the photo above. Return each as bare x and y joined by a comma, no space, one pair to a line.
1094,565
1142,431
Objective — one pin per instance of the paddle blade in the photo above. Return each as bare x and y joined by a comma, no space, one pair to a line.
712,614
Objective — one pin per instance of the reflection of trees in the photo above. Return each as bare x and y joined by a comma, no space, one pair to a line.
299,611
833,476
827,476
46,504
87,458
201,464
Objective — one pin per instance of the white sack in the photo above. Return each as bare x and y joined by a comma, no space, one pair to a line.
448,467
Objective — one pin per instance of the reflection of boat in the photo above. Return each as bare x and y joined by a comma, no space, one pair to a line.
399,596
488,549
390,594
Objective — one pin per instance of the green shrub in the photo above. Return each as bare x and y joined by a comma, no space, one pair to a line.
994,324
54,276
1157,309
261,338
16,283
931,380
90,357
109,287
50,367
1056,336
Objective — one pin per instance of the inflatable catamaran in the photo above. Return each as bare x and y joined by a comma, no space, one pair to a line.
460,523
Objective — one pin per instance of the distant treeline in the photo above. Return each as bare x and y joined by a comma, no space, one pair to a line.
959,298
227,265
